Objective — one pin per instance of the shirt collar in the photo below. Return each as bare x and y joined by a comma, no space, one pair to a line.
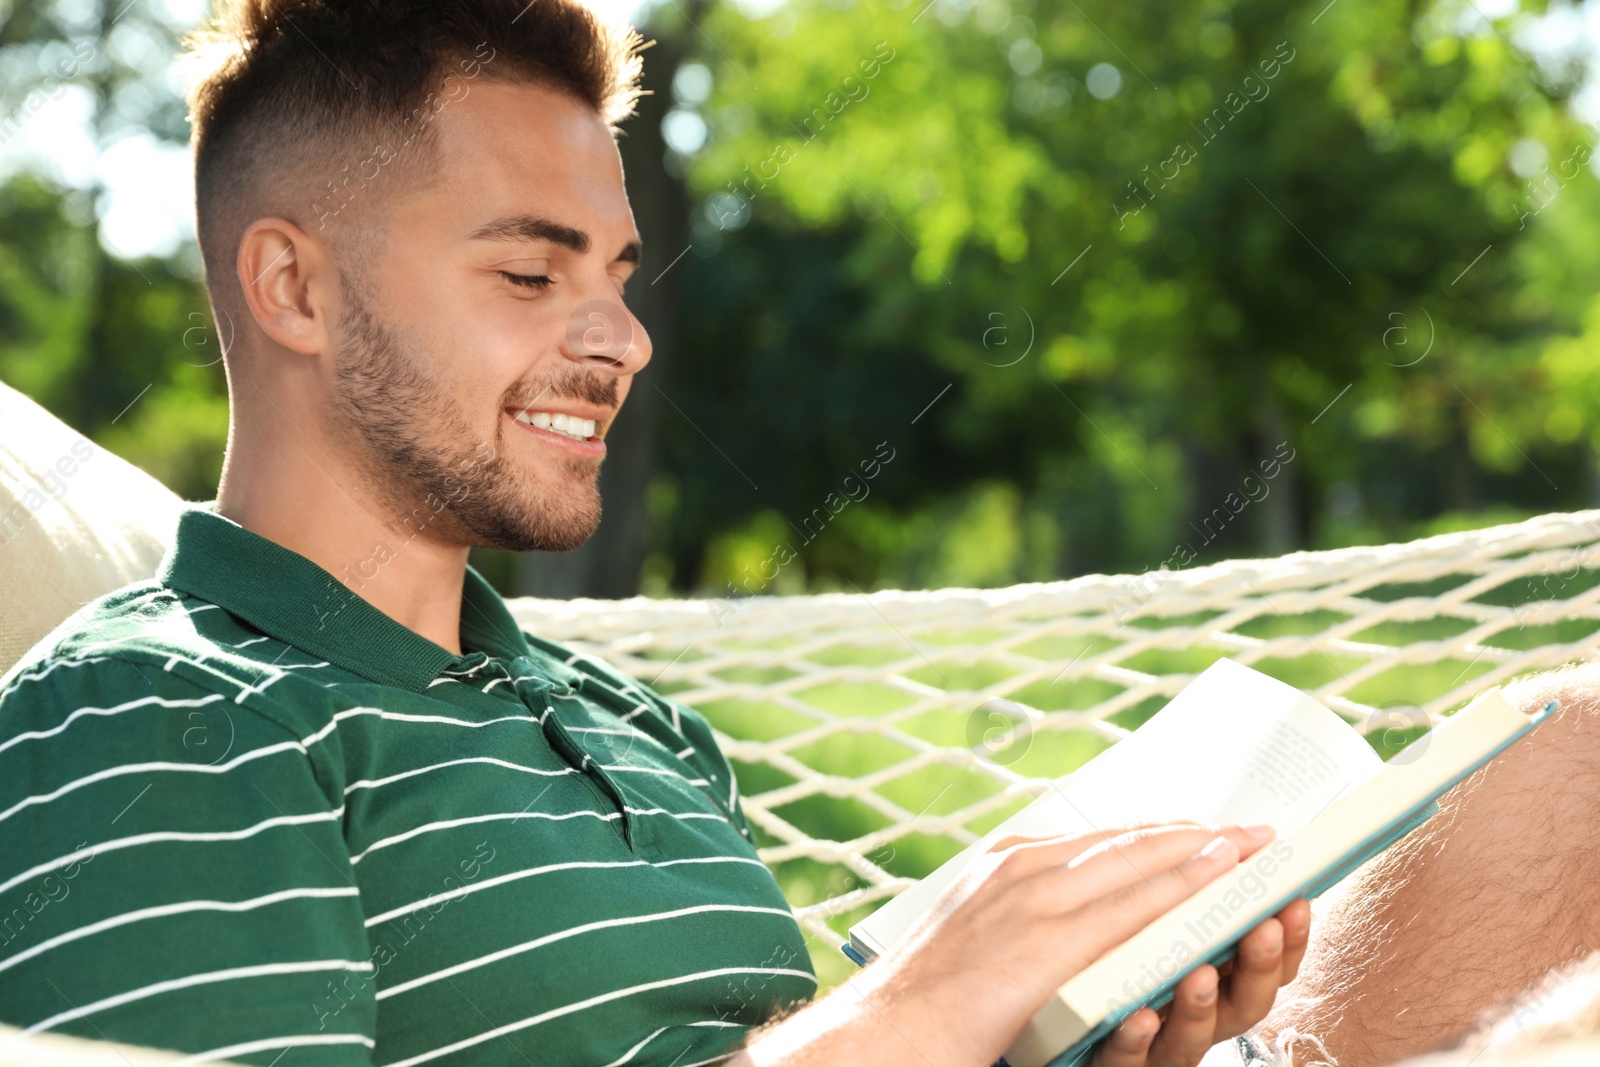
284,594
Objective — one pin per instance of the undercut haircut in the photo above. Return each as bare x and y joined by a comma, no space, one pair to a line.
298,107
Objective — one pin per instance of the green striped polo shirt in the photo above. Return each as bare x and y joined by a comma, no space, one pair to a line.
246,815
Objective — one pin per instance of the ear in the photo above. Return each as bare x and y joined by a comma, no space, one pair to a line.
290,283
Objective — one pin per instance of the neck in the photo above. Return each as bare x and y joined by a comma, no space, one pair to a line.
295,487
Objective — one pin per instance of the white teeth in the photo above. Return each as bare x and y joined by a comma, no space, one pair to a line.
570,425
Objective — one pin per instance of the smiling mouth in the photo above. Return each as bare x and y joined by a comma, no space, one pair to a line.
557,422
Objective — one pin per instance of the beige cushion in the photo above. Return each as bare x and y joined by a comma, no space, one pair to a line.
56,1050
76,522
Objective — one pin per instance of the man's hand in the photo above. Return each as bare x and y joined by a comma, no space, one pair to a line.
1208,1007
1019,923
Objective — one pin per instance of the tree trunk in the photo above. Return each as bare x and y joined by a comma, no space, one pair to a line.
1280,522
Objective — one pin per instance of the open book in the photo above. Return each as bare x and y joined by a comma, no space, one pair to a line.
1235,746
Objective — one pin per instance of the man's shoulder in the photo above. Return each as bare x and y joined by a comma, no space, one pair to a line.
111,618
145,642
143,621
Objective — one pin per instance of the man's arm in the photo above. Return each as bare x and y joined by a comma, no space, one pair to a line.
173,873
1010,932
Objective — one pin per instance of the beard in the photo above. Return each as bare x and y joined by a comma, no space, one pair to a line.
421,455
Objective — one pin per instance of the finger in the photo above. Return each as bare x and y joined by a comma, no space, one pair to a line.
1191,1025
1031,856
1166,844
1250,989
1085,840
1140,855
1129,1044
1114,917
1296,920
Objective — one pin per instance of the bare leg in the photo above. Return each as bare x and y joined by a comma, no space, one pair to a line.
1420,945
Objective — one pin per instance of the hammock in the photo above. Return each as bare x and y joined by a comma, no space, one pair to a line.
876,734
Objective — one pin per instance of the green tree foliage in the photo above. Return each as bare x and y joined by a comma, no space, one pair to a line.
123,350
987,291
1153,249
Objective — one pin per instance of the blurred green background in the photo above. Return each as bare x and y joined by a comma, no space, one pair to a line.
1082,285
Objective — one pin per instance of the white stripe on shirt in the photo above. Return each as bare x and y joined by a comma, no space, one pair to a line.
155,989
568,1009
634,1051
79,662
373,783
162,910
446,824
91,851
574,931
268,1043
141,768
262,688
530,872
399,716
116,709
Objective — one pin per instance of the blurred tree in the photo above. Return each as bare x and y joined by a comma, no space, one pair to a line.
978,291
1153,249
122,349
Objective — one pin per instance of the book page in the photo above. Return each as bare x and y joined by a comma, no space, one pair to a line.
1372,815
1235,746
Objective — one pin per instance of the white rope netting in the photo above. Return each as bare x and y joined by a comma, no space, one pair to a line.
876,734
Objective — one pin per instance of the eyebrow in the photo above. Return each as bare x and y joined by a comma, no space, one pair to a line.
533,228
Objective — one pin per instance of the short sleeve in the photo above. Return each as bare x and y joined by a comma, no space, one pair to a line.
173,873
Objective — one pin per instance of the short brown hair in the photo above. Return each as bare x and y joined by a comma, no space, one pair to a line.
293,102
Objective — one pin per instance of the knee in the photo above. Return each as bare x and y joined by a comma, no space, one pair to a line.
1576,686
1571,738
1545,789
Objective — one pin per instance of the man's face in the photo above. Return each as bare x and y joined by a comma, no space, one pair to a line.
486,351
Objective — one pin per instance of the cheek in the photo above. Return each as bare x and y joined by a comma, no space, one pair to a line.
485,351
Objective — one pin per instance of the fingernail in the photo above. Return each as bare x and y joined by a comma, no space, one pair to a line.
1207,993
1220,849
1260,831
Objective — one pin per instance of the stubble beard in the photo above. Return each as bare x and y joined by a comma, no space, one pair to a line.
426,463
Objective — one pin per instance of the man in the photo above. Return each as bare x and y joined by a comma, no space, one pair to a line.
310,796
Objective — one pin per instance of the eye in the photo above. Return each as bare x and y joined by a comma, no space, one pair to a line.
536,282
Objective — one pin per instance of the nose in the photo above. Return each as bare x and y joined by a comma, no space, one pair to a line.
604,335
